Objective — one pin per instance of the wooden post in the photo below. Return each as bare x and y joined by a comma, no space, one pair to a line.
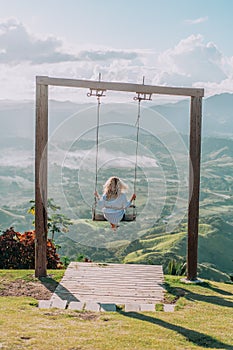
41,165
194,186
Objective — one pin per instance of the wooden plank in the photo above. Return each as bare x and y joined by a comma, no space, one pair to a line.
41,166
194,186
108,266
115,86
122,294
130,284
115,283
98,297
92,282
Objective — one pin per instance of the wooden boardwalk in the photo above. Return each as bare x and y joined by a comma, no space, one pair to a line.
111,283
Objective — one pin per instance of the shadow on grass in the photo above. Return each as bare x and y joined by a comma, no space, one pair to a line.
212,299
209,299
197,338
49,283
215,289
58,289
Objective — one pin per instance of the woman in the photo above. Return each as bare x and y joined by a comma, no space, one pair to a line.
113,202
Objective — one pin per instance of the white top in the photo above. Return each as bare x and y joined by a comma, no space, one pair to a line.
110,206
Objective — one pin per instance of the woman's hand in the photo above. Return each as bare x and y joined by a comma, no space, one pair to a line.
133,197
96,194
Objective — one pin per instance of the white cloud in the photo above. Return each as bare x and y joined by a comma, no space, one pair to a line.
192,62
197,20
18,45
103,55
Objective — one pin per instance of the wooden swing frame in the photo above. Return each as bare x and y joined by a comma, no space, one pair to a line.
41,158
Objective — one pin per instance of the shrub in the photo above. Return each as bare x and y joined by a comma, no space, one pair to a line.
177,268
17,251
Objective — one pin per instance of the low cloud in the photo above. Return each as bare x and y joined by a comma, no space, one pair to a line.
16,158
86,160
197,20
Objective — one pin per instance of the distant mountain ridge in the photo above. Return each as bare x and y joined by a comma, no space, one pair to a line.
217,115
17,119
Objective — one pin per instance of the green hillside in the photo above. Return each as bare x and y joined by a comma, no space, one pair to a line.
214,254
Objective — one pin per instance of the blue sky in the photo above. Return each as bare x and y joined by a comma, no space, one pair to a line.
170,42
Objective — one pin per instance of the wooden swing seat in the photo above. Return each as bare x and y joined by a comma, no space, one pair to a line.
97,216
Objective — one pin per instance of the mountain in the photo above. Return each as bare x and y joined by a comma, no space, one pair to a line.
217,118
18,118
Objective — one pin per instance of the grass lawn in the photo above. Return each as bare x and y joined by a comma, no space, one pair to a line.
28,275
202,320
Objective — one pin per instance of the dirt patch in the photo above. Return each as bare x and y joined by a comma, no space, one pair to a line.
84,315
20,287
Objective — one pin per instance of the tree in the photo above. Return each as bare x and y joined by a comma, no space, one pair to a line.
57,222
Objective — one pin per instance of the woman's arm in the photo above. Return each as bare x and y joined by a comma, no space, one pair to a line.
133,197
96,194
126,203
100,200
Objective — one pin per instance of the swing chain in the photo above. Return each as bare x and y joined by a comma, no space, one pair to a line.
97,145
137,141
98,93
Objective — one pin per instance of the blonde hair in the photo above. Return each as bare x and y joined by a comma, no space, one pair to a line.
113,187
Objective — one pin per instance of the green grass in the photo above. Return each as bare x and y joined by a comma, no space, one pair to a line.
29,276
202,320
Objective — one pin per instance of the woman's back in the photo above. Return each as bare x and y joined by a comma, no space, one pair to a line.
119,202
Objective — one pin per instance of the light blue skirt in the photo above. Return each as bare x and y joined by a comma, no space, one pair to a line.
114,216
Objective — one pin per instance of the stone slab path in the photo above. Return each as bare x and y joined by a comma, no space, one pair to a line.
135,286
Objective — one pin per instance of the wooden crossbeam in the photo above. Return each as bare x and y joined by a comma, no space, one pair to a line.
115,86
